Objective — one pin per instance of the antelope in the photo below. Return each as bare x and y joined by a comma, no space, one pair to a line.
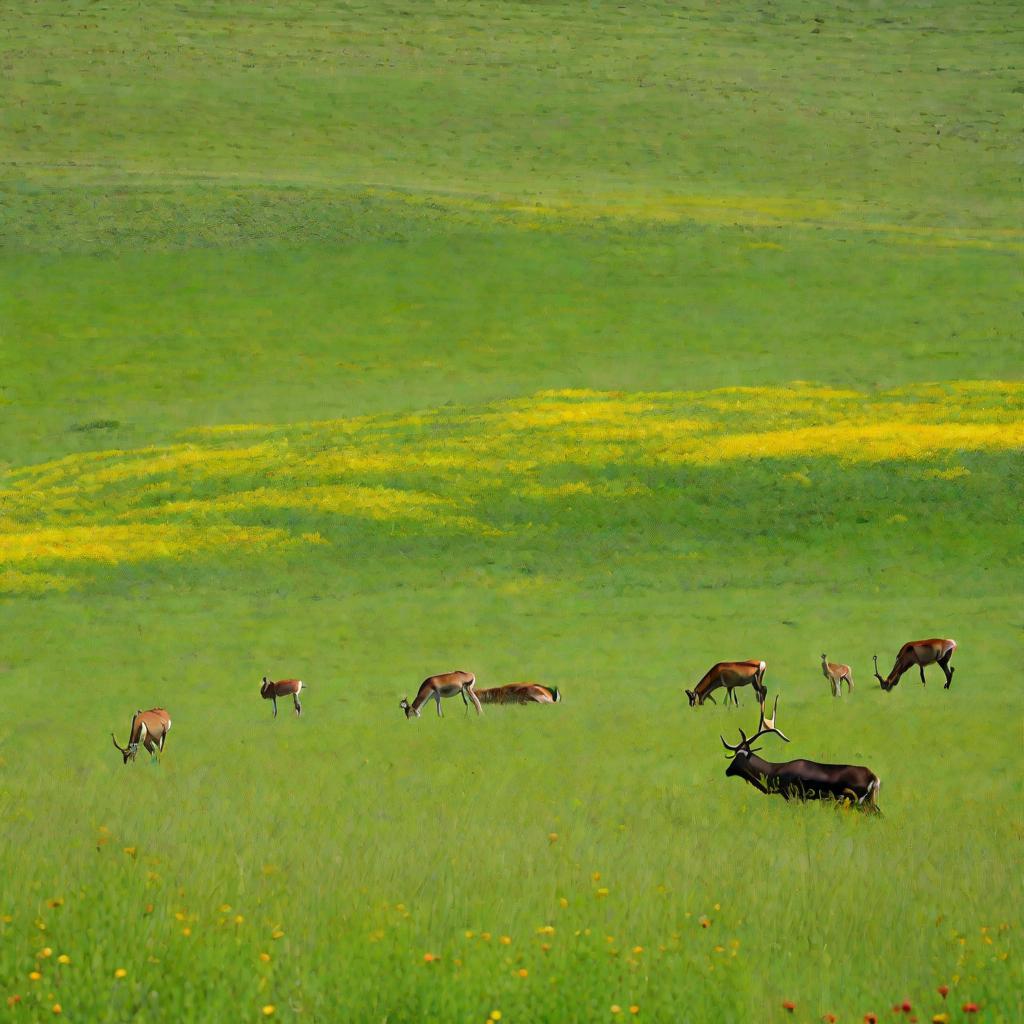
519,693
836,676
150,728
729,674
436,687
803,780
269,690
920,653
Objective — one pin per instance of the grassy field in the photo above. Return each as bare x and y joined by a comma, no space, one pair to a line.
583,344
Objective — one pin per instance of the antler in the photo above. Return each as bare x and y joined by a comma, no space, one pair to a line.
728,746
767,725
877,676
122,749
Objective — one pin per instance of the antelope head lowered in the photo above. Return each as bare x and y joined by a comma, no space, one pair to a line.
800,779
434,688
150,728
269,690
935,651
729,674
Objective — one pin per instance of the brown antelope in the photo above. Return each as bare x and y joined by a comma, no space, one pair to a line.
920,653
269,690
519,693
150,728
800,780
836,676
729,674
436,687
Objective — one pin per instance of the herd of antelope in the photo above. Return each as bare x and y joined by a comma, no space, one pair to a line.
800,779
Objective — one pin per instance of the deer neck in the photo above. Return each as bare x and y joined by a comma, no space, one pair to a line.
753,768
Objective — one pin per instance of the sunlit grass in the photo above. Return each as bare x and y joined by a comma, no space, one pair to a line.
584,344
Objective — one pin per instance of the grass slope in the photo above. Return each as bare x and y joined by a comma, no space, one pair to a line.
469,281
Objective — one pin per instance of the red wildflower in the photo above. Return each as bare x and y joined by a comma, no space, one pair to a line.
970,1007
829,1018
943,991
870,1018
905,1006
788,1005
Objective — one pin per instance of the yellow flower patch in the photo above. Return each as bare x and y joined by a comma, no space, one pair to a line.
250,488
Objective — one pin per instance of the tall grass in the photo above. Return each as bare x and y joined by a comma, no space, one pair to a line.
471,279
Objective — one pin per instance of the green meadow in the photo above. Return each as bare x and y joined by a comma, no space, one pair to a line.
583,344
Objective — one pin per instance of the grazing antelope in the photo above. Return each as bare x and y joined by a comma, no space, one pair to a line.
270,690
436,687
801,780
729,674
150,728
836,676
920,653
519,693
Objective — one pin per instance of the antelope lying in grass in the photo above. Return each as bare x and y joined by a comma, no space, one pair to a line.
269,690
729,674
150,728
836,676
519,693
920,653
800,780
436,687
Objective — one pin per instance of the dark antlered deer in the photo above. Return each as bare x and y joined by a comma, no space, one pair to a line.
436,687
920,653
800,780
729,674
519,693
836,676
269,690
150,728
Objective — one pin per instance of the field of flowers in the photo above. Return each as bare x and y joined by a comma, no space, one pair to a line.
581,344
458,469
